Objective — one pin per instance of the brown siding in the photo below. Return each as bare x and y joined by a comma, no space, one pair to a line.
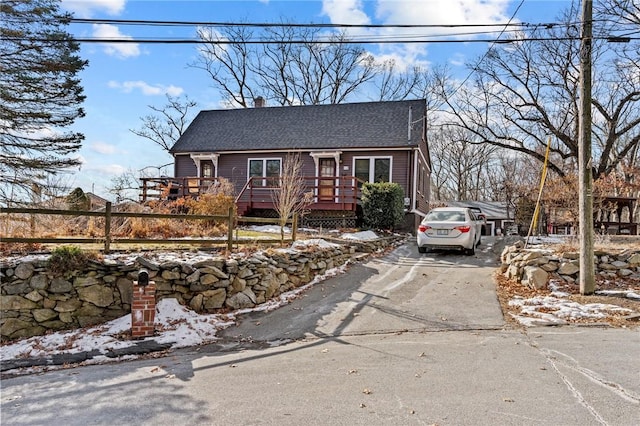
234,167
184,166
309,166
423,199
400,167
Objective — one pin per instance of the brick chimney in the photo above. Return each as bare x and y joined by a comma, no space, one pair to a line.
258,102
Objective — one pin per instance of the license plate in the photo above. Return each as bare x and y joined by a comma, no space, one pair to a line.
442,232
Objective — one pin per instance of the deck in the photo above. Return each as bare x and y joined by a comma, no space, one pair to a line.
329,194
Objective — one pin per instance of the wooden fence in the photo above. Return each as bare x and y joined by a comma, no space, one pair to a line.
108,238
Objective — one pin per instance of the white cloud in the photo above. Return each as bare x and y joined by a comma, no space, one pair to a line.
445,12
399,63
104,148
87,8
107,169
345,11
434,12
122,50
145,88
457,59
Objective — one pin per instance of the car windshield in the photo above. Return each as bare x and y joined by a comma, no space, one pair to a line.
445,216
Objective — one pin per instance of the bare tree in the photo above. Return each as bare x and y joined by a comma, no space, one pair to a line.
394,85
460,168
621,19
440,173
526,90
228,64
293,67
290,197
169,123
509,173
125,186
619,14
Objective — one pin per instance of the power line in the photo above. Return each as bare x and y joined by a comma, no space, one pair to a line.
329,39
298,25
425,39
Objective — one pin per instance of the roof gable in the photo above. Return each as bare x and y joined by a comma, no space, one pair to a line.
310,127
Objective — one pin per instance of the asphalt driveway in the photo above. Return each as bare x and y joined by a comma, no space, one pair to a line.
402,291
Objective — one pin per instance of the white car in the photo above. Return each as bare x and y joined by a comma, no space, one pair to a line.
457,228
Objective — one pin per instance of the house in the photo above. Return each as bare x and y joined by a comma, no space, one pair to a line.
96,202
500,216
341,146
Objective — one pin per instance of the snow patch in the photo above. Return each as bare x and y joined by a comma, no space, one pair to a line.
271,229
318,242
554,310
362,235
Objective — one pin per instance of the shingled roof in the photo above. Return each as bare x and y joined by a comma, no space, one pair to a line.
310,127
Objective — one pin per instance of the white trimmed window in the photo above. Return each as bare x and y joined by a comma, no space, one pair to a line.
267,168
372,169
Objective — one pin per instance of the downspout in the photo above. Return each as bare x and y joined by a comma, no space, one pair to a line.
415,183
409,124
410,190
175,164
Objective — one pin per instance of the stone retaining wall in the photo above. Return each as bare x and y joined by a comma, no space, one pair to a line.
34,300
534,268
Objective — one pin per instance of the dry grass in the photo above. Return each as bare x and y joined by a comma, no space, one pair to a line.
58,226
509,289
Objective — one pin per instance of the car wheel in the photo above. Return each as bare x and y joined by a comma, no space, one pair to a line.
470,252
422,249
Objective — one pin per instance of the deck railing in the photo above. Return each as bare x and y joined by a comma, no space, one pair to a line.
170,188
329,193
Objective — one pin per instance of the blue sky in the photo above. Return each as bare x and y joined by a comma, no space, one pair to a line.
122,80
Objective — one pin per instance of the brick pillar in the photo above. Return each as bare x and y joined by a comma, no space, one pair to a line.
143,310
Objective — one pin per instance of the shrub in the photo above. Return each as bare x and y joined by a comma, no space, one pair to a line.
211,204
68,258
214,205
382,205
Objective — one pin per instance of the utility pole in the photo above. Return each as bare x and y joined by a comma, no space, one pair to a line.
585,162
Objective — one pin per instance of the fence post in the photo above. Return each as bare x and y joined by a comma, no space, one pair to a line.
107,227
230,230
294,226
144,189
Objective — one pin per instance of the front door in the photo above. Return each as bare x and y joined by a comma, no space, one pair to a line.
206,173
327,187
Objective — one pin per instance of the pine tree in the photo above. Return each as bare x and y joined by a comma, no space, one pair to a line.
77,200
40,94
